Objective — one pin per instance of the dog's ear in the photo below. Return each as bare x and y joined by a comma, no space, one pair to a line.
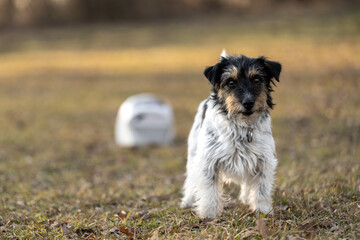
273,69
213,73
210,74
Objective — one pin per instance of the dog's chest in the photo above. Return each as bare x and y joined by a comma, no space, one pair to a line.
237,144
236,153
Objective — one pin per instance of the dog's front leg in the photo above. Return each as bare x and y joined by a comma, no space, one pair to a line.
244,192
209,193
260,190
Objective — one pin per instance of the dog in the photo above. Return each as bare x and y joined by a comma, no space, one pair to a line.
231,138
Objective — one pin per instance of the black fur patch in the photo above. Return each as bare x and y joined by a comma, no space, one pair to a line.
204,112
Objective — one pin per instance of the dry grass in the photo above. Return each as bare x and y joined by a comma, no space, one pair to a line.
61,175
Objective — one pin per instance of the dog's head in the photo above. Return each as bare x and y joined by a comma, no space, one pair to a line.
243,85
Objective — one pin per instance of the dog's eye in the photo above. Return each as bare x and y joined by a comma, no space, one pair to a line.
231,83
256,80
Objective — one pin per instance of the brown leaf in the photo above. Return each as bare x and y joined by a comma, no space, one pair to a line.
126,231
122,216
262,227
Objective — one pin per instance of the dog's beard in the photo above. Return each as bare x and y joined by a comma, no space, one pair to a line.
249,117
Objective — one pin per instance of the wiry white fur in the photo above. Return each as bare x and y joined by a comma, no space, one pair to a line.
218,151
223,54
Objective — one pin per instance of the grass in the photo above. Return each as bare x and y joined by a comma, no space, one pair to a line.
62,176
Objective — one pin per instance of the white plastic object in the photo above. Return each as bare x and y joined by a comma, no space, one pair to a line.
144,119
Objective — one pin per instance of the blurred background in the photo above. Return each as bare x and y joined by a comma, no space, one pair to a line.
67,65
68,12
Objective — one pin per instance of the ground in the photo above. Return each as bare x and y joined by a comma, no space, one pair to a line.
62,176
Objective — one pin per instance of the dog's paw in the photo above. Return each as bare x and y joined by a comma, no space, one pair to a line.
185,205
266,209
206,215
205,212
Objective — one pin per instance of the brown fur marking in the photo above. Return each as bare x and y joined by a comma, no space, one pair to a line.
233,105
260,102
253,73
223,93
231,72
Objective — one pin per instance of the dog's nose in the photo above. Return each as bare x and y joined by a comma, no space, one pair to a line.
248,104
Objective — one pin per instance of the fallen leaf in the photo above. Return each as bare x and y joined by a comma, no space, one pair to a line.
122,216
262,227
126,231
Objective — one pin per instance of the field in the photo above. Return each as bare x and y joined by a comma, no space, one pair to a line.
62,176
